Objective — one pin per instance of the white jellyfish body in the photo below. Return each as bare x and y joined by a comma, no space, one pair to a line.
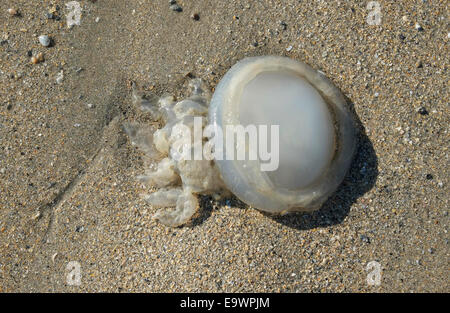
314,144
317,132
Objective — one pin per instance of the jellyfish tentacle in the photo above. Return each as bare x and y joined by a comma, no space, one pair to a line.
186,206
178,179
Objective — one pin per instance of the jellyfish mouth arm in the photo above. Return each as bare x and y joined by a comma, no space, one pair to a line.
177,180
185,207
164,198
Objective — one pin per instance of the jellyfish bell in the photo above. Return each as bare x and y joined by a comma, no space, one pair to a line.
316,141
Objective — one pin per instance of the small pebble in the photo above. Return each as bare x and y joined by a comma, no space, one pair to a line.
175,7
36,216
60,77
44,40
13,12
422,111
429,176
418,27
172,2
289,48
79,229
365,239
38,58
283,25
195,16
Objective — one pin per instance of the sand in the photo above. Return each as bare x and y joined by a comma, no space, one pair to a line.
68,191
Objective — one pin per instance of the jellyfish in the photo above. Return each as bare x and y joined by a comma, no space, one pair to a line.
275,133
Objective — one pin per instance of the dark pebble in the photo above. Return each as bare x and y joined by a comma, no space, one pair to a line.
429,176
51,185
195,16
423,111
176,8
365,239
79,229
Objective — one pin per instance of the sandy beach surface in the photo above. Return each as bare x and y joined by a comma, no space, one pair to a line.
69,200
